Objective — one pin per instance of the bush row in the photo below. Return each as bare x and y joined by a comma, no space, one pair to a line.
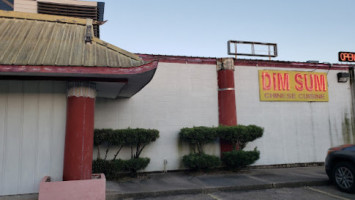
135,139
238,136
232,160
126,137
238,158
197,161
113,169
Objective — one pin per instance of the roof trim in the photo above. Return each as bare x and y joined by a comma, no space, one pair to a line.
114,48
243,62
23,70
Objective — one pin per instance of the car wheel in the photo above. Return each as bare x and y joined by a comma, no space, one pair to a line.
344,176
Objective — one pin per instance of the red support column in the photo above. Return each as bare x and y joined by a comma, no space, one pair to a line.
226,98
79,131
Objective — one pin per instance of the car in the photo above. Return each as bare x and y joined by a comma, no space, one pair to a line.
340,167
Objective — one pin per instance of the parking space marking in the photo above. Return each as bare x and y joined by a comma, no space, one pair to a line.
258,179
328,194
214,197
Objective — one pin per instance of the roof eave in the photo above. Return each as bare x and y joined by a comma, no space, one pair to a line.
129,81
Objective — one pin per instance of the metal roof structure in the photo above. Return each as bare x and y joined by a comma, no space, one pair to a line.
36,39
47,47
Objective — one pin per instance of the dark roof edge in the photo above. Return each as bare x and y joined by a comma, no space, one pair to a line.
243,62
54,71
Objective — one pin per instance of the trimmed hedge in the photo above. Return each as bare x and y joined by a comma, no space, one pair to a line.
109,168
239,159
135,164
240,135
198,136
198,161
136,139
114,169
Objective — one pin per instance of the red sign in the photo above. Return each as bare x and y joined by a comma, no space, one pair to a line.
346,56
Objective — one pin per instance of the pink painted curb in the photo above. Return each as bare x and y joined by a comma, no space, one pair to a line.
92,189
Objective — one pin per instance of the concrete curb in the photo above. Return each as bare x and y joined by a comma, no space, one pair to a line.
113,195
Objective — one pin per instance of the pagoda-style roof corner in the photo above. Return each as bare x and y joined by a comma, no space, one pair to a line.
65,48
37,39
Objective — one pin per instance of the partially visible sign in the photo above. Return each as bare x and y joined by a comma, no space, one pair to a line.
292,86
346,56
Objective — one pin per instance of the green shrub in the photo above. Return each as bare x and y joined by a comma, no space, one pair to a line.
239,159
198,136
135,164
254,132
114,169
138,138
118,165
102,137
102,166
198,161
239,135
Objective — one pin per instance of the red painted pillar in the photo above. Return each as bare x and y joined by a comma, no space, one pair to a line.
226,97
79,131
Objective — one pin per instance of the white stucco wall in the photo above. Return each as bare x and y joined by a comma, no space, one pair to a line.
179,95
295,132
32,132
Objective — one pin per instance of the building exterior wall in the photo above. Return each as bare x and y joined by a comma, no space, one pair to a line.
180,95
71,2
32,132
29,6
294,132
185,95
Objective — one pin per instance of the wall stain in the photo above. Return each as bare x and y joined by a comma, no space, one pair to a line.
348,130
351,122
330,132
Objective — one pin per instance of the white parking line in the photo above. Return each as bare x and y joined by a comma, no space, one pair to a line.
258,179
328,194
214,197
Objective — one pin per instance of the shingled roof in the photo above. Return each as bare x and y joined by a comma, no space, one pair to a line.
46,40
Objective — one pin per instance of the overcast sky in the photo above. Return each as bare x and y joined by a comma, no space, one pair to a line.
303,29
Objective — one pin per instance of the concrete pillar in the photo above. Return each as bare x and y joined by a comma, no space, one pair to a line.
79,131
226,97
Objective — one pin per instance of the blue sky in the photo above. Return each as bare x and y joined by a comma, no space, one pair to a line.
303,29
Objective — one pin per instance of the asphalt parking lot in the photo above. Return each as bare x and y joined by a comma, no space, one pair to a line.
301,193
